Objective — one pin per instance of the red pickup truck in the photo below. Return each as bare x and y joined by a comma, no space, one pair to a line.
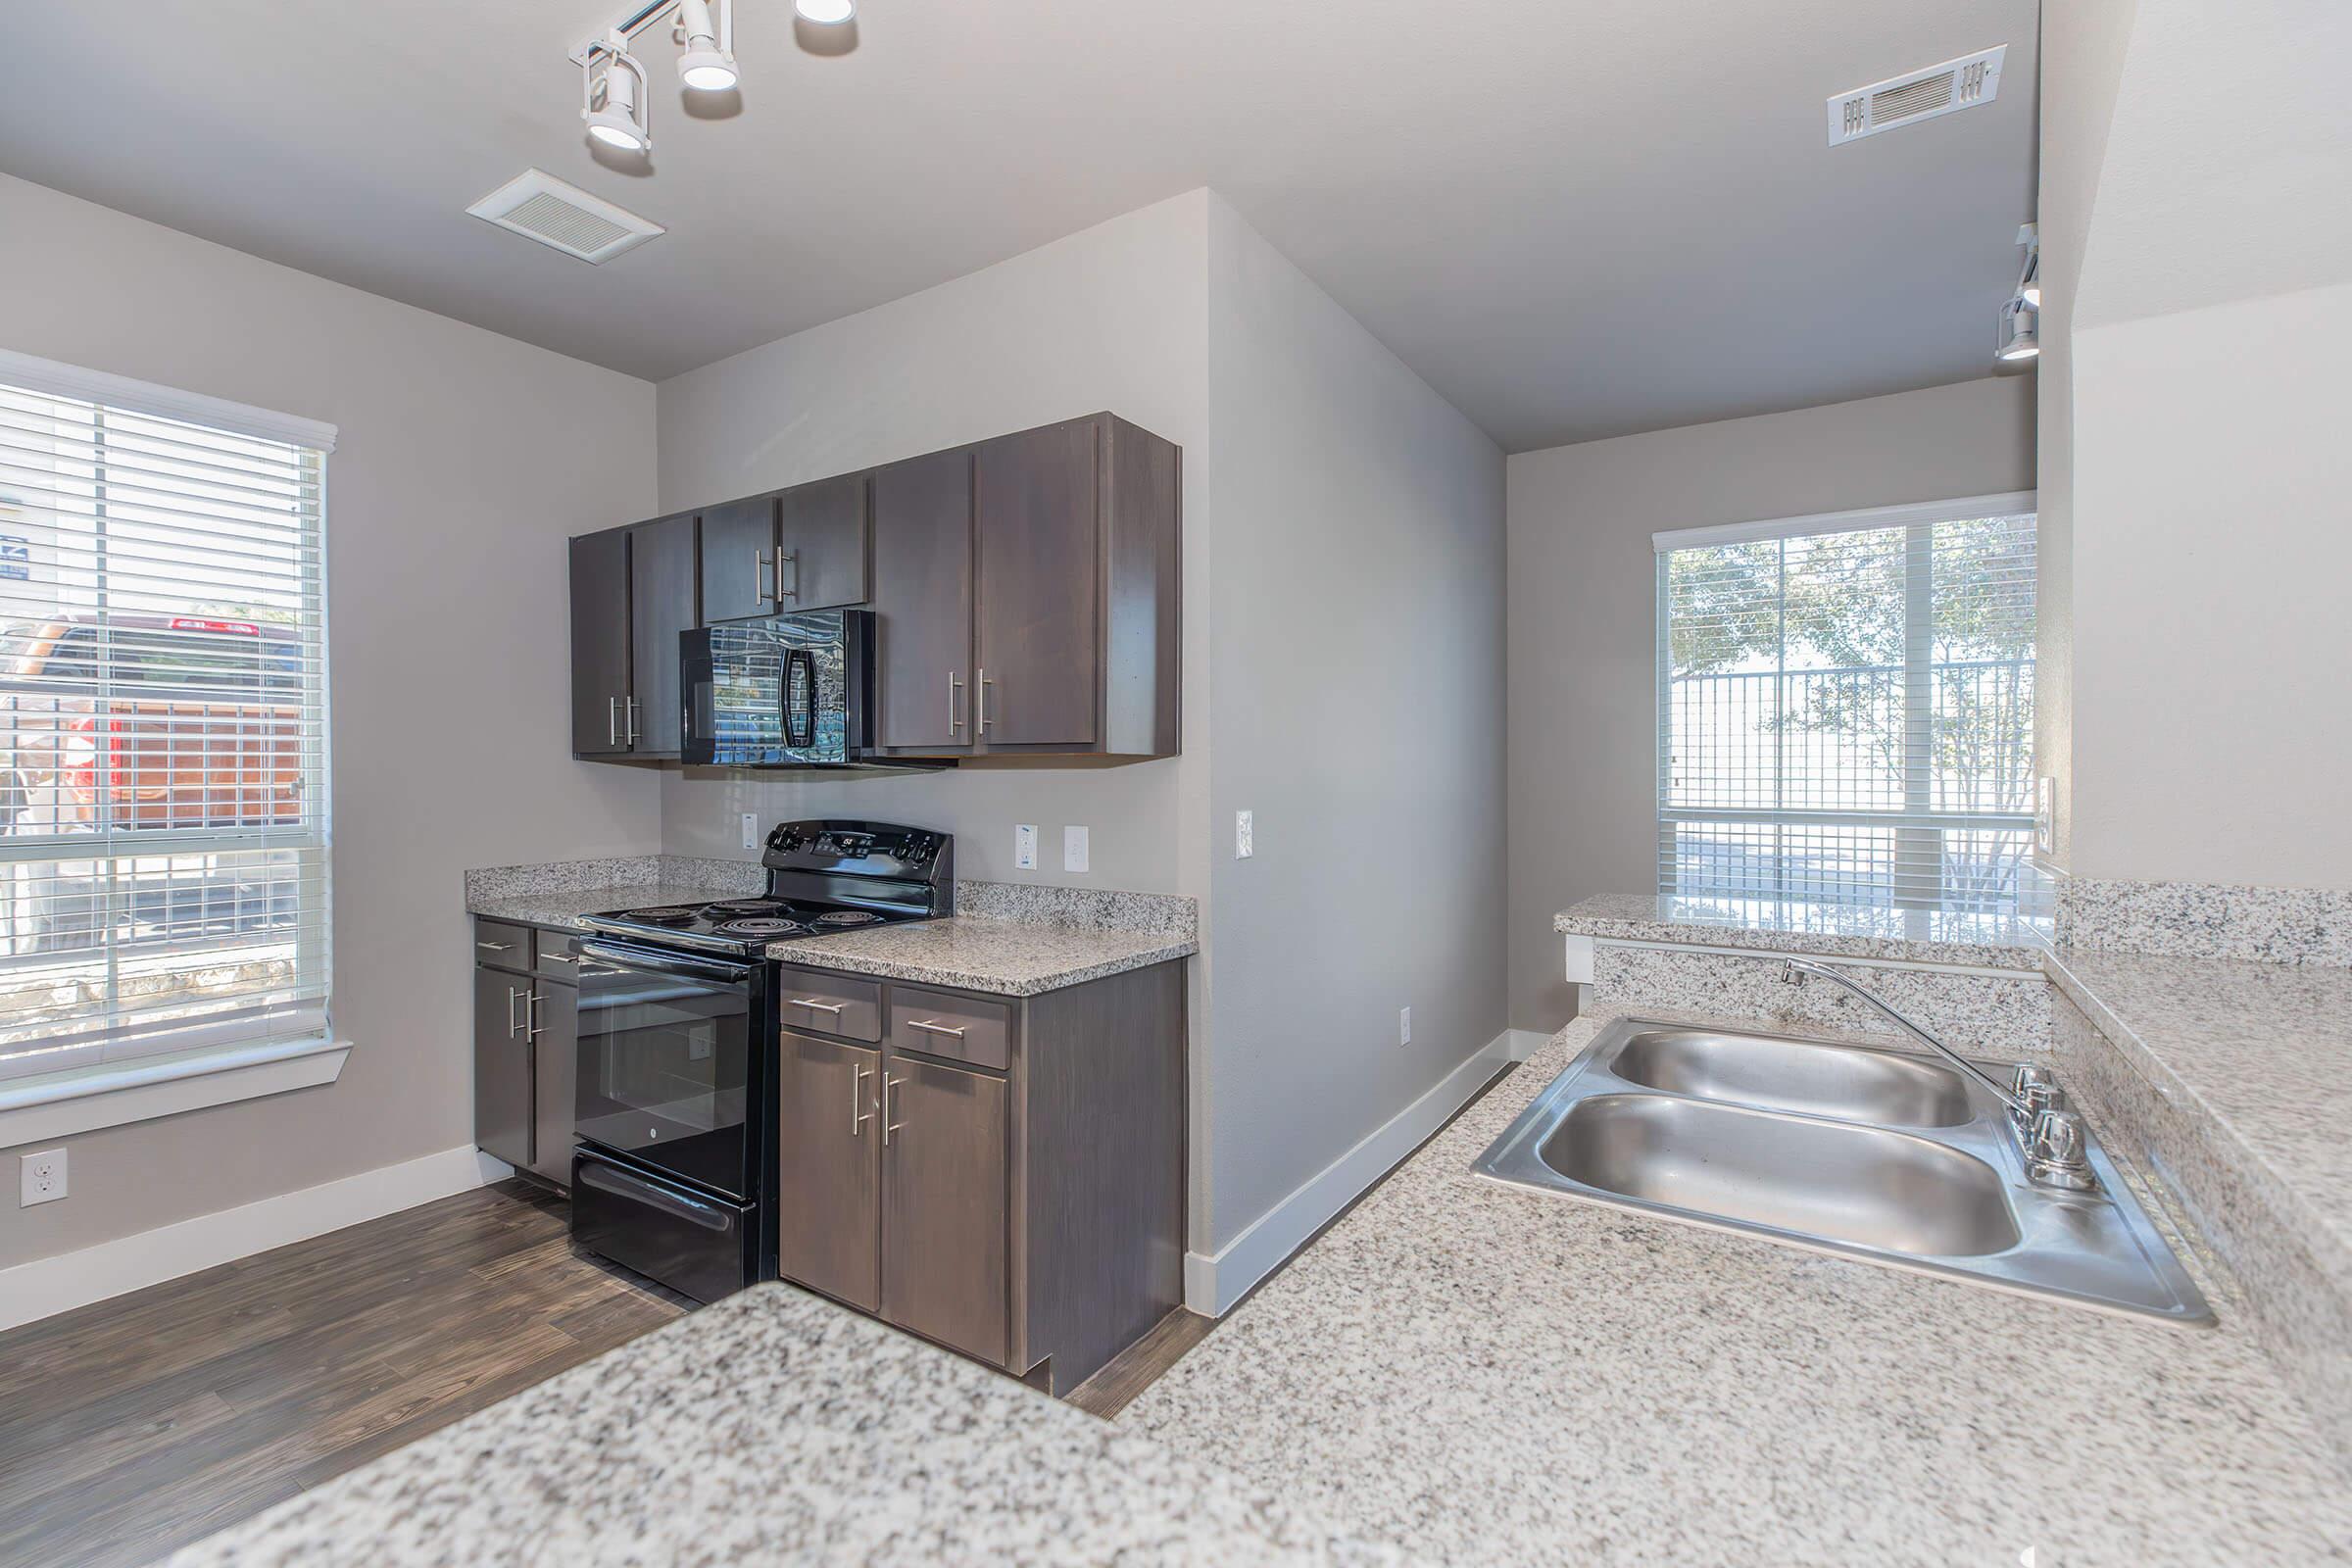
152,721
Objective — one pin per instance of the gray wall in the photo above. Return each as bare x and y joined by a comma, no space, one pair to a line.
1356,603
1112,317
465,459
1583,649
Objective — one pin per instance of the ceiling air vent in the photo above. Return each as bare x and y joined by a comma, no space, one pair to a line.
538,206
1906,100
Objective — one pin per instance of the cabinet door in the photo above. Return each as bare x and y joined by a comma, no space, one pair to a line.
944,1174
502,1066
663,582
1035,511
600,642
739,560
555,1068
923,602
821,544
829,1173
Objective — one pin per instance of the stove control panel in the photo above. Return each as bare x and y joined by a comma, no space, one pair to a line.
870,848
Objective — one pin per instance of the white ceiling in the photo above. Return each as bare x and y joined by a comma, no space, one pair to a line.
1574,218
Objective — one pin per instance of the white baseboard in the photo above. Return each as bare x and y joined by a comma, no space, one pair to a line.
1213,1284
52,1284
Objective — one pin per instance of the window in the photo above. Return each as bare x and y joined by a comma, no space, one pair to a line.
163,724
1846,711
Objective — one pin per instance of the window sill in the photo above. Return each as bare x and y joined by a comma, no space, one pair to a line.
61,1104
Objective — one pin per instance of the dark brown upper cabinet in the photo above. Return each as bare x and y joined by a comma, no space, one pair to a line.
1028,595
923,603
804,547
633,591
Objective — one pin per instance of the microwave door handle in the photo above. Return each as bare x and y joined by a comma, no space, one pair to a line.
799,701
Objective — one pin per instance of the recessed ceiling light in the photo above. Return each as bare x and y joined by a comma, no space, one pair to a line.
826,12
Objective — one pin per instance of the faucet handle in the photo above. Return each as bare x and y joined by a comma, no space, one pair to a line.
2036,1090
2058,1154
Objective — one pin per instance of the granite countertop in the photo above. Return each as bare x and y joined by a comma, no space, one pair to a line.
1010,957
778,1428
1485,1374
2264,1050
1834,930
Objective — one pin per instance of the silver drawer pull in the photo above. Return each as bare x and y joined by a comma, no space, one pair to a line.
494,947
556,958
820,1006
933,1028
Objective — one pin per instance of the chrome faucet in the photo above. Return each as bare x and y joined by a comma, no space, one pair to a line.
2049,1137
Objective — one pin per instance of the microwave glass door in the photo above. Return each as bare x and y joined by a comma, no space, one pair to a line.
771,692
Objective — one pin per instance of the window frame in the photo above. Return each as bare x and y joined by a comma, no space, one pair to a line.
1918,587
84,1094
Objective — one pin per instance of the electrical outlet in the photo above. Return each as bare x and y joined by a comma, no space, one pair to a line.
1024,847
750,830
1244,835
41,1177
1405,1026
1073,849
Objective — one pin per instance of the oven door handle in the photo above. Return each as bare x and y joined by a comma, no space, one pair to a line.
639,960
594,1173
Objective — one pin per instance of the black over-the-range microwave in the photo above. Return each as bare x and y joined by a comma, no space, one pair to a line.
787,691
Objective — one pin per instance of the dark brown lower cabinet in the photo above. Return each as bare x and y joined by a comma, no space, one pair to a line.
502,1066
525,1050
829,1142
1004,1177
943,1204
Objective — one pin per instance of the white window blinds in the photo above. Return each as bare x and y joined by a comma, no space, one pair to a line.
1846,711
163,722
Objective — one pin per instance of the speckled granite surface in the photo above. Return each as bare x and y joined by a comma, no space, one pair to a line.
1919,936
776,1428
1017,948
2197,921
1994,1014
1007,957
1488,1375
2239,1078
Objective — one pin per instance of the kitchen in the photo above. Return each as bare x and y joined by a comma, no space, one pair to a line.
1260,923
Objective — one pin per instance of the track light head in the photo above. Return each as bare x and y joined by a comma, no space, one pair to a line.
707,65
615,115
825,12
2021,332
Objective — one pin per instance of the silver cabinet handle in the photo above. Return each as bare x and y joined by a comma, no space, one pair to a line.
888,1126
859,1114
760,574
795,592
981,686
514,1024
835,1007
530,1017
933,1028
954,686
494,947
556,957
631,710
612,721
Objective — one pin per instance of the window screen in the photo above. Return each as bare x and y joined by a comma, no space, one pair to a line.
1847,716
163,735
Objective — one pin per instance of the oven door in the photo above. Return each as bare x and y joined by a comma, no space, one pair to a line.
668,1076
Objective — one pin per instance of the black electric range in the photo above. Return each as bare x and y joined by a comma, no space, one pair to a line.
674,1109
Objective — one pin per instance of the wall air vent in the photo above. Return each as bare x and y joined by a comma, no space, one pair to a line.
1919,95
538,206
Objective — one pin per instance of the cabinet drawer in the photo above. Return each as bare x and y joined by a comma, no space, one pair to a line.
557,960
501,946
959,1028
829,1004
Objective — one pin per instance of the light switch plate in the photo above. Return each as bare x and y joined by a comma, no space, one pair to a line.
1073,849
40,1178
1405,1026
1244,835
1024,847
750,830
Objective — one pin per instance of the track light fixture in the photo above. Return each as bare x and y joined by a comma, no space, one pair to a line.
825,12
708,63
612,96
2028,282
2020,335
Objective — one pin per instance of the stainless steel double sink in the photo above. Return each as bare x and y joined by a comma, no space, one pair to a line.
1871,1153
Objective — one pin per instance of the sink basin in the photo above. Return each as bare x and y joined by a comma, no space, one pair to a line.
1853,1183
1811,1076
1878,1156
